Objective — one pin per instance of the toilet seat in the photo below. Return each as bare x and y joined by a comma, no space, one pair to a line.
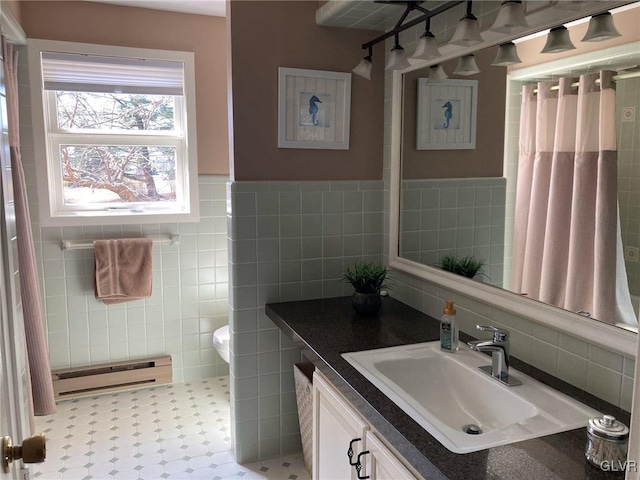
221,342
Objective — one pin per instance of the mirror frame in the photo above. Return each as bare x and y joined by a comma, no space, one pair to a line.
597,332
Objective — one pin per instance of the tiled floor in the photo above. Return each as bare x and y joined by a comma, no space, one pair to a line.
172,432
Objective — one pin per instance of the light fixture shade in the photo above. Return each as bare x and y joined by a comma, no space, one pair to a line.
558,41
364,68
467,66
510,18
507,55
397,59
467,32
437,74
427,47
601,27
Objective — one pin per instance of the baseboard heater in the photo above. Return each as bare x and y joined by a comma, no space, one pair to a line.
109,377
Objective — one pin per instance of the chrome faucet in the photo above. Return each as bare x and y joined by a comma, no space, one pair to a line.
499,348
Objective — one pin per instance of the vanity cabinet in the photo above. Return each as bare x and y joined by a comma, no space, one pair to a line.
382,463
338,429
336,426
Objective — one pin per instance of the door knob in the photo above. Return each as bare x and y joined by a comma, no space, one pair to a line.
32,450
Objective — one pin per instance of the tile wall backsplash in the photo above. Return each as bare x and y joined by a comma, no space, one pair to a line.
463,216
287,241
190,283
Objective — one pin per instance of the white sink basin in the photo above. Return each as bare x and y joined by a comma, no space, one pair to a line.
446,392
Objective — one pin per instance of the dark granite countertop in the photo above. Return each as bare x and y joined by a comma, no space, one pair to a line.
324,329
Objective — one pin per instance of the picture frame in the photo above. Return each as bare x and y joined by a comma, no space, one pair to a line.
313,109
446,114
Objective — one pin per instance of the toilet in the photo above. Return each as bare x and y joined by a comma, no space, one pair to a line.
221,342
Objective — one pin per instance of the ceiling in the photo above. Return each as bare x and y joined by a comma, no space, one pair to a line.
364,14
214,8
372,15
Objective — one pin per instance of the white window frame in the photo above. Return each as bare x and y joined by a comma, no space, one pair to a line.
53,211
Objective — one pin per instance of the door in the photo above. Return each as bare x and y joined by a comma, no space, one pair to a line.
13,415
7,422
336,428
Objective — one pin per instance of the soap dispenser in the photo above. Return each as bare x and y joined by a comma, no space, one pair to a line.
449,329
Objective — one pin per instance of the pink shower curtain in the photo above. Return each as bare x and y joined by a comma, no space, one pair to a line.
41,388
566,202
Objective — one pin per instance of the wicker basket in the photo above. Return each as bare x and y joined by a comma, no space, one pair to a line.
303,375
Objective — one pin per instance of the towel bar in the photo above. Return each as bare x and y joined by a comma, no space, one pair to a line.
72,245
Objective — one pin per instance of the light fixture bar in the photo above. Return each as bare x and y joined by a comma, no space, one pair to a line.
412,23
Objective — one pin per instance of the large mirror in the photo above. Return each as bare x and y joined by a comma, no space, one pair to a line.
459,206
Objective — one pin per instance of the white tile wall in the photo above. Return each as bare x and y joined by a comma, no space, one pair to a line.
288,241
190,284
189,300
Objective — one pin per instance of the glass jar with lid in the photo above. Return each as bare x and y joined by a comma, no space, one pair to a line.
607,443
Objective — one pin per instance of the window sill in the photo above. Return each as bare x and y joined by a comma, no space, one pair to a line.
118,217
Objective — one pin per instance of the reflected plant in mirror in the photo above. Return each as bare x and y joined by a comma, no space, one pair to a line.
466,266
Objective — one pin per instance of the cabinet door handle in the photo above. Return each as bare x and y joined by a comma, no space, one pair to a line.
350,451
359,465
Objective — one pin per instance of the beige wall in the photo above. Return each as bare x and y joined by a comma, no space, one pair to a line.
627,23
487,158
89,22
268,35
14,7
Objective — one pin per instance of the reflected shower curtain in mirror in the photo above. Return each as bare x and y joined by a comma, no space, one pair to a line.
566,213
42,400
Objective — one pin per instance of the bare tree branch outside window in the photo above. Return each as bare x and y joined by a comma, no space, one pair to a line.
104,173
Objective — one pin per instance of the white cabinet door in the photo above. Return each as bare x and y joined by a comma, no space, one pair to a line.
382,463
336,426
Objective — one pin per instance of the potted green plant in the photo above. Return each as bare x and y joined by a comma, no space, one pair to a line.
367,280
467,266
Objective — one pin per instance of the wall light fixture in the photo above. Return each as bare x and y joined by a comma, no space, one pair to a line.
558,41
467,66
510,18
507,55
601,28
467,32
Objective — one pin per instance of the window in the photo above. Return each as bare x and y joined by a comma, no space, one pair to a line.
117,133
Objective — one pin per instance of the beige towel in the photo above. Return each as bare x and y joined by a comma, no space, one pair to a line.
123,269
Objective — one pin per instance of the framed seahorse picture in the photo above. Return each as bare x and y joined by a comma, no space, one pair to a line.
313,109
446,114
